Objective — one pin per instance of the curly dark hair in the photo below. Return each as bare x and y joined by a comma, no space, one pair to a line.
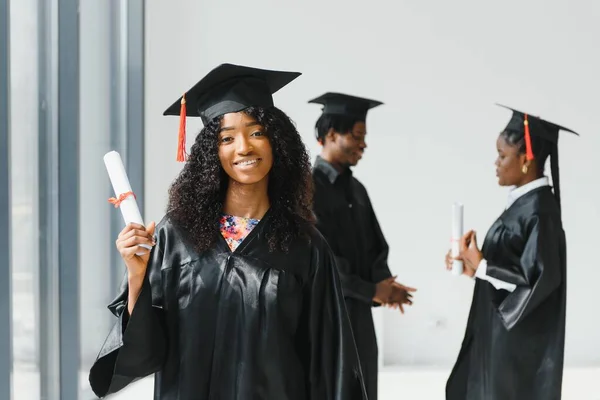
197,195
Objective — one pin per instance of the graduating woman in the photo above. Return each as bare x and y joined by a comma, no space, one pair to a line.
514,342
239,297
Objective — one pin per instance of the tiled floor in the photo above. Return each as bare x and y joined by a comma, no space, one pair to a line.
428,384
395,383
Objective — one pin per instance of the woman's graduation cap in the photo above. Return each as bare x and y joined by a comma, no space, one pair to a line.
528,125
343,104
228,88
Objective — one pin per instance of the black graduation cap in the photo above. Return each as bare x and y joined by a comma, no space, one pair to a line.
227,88
530,125
537,126
343,104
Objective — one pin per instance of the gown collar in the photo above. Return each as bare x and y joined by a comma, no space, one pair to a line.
516,193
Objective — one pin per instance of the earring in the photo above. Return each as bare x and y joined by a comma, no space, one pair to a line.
524,169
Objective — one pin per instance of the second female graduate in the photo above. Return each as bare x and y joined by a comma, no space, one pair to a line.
513,347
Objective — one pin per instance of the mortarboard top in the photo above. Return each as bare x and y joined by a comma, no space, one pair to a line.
226,89
537,126
343,104
528,125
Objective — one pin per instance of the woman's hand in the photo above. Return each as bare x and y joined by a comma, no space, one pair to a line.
469,252
129,243
449,260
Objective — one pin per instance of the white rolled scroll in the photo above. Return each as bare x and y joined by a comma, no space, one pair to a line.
457,232
122,187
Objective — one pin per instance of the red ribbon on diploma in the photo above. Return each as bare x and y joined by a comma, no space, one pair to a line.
123,196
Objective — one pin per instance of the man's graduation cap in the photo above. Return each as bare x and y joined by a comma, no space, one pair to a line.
343,104
226,89
528,125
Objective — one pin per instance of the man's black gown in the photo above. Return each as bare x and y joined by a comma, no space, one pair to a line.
346,219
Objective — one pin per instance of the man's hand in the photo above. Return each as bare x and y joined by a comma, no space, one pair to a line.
383,290
401,295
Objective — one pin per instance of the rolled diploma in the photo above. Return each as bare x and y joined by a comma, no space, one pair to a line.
120,183
457,232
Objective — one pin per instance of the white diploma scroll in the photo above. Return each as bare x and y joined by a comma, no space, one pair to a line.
120,183
457,232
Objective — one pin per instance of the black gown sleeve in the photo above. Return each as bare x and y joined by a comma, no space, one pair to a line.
136,345
334,370
380,251
353,285
537,274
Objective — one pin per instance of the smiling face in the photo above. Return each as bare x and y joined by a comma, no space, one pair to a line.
244,149
348,148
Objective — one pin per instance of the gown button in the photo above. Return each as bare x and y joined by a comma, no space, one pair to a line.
350,205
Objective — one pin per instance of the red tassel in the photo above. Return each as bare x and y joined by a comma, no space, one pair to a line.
182,118
528,140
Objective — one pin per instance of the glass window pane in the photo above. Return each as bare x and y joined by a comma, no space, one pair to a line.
96,243
24,179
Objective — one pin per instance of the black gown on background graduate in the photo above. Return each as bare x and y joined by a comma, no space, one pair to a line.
346,219
223,325
514,342
513,347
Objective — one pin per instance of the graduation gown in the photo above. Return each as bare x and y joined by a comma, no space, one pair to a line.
346,219
514,342
248,324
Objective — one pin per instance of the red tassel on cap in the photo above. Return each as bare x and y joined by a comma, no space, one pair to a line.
181,145
528,140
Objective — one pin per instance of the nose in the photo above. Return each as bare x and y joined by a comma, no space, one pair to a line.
244,146
362,145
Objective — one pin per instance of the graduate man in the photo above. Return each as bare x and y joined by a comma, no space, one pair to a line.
346,218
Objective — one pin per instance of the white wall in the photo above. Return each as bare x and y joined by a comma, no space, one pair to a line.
439,66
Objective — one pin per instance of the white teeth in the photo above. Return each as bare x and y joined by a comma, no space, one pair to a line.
249,162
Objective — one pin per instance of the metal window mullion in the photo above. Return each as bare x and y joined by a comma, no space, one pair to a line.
5,207
135,96
48,317
68,197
